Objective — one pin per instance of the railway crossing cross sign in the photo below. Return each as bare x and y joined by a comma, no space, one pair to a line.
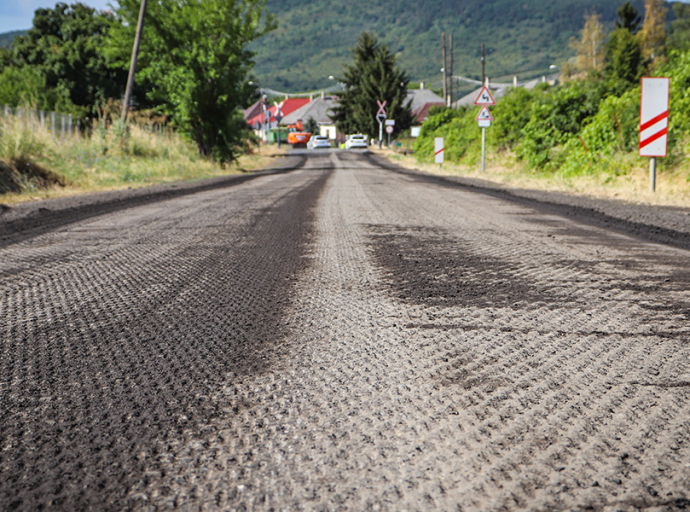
381,117
381,114
382,110
279,113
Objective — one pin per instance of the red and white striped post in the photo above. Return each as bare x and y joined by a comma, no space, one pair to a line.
439,150
654,103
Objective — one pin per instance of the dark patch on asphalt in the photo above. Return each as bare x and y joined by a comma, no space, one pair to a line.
424,266
93,403
41,220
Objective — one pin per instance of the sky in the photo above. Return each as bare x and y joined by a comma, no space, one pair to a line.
18,14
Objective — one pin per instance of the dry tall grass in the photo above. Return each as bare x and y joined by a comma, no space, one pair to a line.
35,164
672,187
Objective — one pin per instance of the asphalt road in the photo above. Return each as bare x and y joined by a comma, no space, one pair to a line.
341,336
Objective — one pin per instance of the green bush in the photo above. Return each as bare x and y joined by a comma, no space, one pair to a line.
611,132
511,114
556,117
457,127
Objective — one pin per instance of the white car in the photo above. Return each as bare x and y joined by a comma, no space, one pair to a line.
319,141
356,141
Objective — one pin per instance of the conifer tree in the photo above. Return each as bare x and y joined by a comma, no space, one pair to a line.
374,75
653,33
628,18
624,61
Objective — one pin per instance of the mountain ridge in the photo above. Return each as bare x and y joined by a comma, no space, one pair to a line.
313,39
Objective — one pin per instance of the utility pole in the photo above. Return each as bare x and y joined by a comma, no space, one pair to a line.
443,53
483,59
450,69
133,63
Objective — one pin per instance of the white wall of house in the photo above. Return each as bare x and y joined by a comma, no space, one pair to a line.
327,130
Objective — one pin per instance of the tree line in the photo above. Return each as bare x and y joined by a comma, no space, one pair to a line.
194,64
588,122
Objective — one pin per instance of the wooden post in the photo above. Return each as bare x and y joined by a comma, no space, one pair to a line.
483,59
133,63
450,68
443,54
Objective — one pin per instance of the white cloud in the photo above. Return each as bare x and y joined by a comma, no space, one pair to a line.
18,14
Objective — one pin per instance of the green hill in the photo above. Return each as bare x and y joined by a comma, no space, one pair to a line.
6,38
522,37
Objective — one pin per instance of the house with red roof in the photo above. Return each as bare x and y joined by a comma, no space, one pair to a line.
256,121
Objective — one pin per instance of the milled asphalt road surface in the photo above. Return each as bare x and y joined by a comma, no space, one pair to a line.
344,337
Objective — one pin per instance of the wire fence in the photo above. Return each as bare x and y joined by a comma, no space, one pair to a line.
59,124
62,125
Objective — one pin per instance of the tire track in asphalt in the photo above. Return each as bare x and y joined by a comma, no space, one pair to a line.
117,334
557,384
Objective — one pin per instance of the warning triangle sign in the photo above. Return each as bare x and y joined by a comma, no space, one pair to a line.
485,97
484,114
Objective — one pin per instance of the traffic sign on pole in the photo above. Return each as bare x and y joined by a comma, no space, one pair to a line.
439,150
484,97
279,113
381,111
484,117
381,117
654,121
654,116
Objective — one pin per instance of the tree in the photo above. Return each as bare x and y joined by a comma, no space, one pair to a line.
653,33
679,36
590,47
628,18
373,76
64,46
624,61
195,59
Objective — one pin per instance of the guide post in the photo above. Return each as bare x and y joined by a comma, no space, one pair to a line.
654,103
439,150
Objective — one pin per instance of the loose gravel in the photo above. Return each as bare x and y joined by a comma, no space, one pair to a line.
344,337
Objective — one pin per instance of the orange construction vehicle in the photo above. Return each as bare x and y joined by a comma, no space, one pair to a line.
297,137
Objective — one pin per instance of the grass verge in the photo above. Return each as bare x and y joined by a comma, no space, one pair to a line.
672,187
34,165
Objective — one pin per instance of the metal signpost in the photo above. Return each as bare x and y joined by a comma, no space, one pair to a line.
654,122
381,117
439,150
390,126
484,117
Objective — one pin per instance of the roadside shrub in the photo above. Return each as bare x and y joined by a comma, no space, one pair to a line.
511,114
457,127
557,116
609,134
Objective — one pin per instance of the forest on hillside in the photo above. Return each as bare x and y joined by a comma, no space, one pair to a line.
588,124
312,40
